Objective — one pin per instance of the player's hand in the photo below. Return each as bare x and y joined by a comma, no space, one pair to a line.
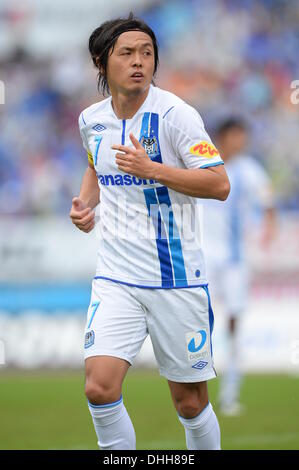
82,216
134,160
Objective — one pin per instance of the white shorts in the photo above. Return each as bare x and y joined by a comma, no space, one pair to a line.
228,285
179,322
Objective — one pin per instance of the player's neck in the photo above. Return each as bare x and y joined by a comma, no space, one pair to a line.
126,106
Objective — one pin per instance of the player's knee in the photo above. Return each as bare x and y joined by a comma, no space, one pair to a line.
187,410
190,407
100,394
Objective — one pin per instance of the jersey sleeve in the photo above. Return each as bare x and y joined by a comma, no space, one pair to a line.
82,125
190,140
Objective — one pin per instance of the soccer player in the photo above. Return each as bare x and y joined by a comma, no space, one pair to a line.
225,227
149,160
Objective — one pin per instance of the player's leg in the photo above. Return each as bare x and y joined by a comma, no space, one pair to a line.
235,299
115,330
104,376
231,380
180,323
189,398
103,385
196,414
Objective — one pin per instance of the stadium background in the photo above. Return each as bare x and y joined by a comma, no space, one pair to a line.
223,57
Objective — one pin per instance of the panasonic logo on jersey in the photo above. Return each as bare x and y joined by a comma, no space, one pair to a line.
124,180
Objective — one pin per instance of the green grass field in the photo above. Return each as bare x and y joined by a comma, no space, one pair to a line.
47,410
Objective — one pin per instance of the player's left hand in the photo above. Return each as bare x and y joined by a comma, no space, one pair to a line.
134,160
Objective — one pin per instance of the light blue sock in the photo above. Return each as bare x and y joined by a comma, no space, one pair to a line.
202,432
113,426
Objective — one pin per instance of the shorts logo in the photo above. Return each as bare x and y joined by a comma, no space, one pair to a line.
204,149
89,339
99,127
200,365
151,145
197,344
198,341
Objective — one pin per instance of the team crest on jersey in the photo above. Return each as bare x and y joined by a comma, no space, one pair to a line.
151,146
89,339
99,127
204,149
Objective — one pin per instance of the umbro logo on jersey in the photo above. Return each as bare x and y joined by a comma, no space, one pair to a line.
99,127
200,365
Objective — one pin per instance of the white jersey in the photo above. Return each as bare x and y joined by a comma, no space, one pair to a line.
225,223
144,241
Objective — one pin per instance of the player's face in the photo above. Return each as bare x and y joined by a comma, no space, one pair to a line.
233,142
131,65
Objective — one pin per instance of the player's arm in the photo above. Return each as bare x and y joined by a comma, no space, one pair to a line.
82,211
269,226
264,196
211,182
90,191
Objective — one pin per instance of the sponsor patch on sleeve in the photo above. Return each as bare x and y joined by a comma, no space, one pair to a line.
204,149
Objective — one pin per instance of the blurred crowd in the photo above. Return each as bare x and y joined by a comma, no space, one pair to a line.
223,57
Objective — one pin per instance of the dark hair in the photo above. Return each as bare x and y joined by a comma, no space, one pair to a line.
229,124
103,39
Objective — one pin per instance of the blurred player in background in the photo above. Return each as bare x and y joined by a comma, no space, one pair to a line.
225,228
145,285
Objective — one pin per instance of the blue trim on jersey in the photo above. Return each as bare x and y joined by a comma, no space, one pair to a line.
83,119
212,164
97,139
148,287
174,238
161,238
95,305
145,125
109,405
167,111
169,239
154,133
123,136
150,130
211,316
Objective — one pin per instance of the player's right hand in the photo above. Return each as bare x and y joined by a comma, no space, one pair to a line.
82,216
